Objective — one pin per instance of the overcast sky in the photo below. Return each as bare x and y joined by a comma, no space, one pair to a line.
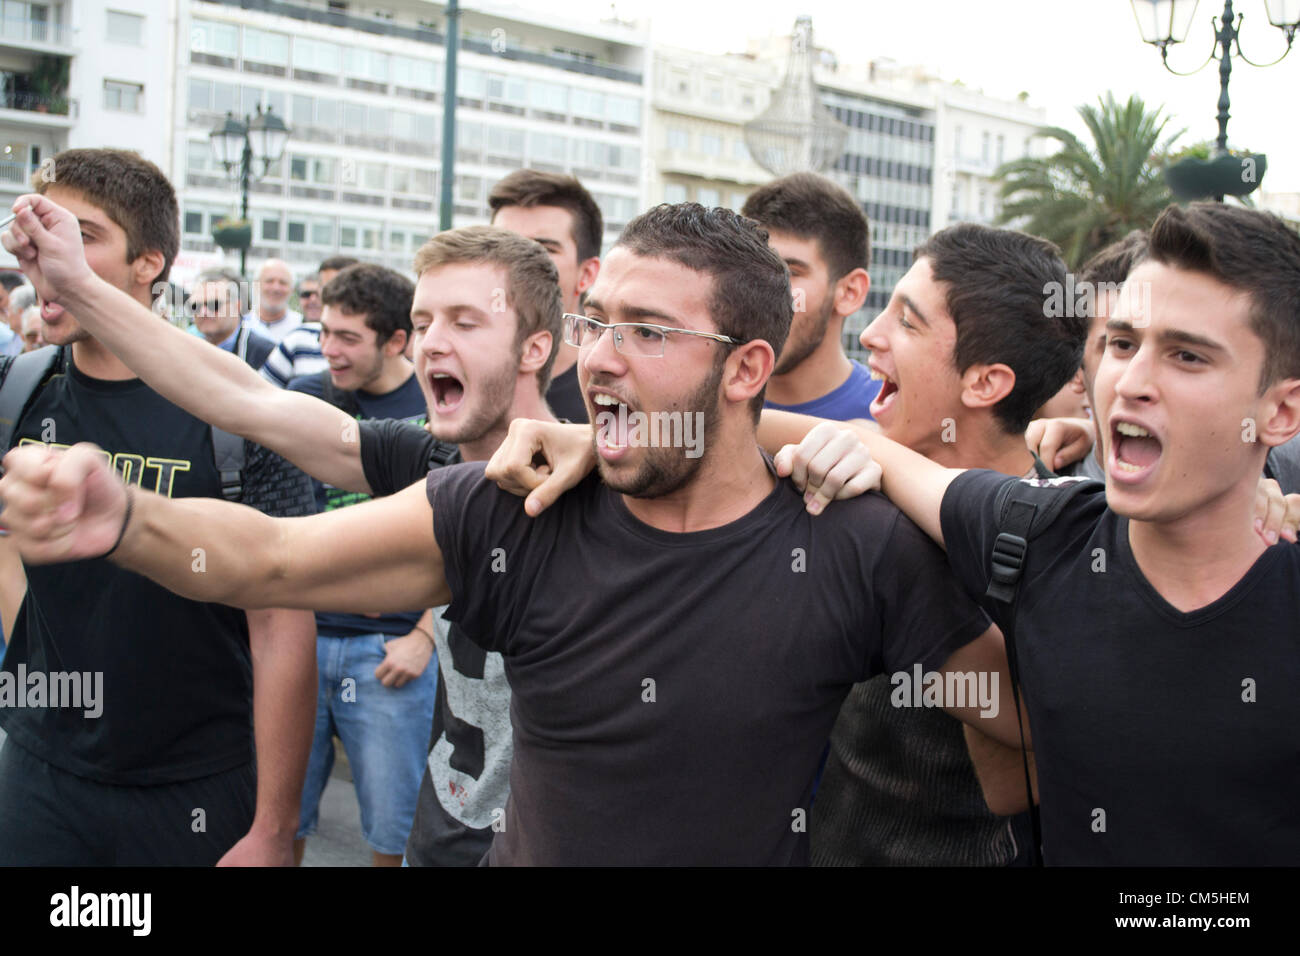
1063,53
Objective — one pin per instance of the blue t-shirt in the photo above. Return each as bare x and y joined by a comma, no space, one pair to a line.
851,400
406,402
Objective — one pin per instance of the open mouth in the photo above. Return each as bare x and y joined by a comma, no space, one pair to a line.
1134,451
50,311
611,425
885,397
448,392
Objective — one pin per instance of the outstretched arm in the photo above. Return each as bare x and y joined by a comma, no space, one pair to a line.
373,557
209,383
807,449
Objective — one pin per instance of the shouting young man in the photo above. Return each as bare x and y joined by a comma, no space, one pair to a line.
163,768
734,626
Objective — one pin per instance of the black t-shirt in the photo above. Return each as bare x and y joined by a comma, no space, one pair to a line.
1162,738
672,693
467,776
405,403
176,674
564,396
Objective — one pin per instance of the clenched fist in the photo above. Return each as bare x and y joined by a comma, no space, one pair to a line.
62,505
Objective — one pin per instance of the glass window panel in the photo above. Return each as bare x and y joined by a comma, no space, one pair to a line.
200,95
264,47
217,39
225,97
322,232
297,232
327,113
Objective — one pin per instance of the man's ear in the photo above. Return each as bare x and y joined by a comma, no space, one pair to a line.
1281,410
536,350
747,370
983,386
851,291
396,343
587,273
147,267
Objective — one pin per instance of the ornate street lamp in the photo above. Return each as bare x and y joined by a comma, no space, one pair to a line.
237,146
1164,23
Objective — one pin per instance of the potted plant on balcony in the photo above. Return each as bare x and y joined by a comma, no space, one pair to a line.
232,234
49,83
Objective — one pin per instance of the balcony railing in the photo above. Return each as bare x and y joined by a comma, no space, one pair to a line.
25,30
15,173
422,35
35,103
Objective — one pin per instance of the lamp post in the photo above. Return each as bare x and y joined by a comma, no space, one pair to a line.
1164,23
237,145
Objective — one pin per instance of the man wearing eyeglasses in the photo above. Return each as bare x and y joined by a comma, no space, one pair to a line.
213,306
678,632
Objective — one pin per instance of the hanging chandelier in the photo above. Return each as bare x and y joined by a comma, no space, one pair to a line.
796,133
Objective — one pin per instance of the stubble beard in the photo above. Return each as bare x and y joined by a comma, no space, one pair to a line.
797,350
493,411
665,470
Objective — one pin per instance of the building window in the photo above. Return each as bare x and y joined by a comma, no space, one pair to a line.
674,193
194,223
984,148
710,144
271,230
708,198
123,97
678,138
125,28
1002,143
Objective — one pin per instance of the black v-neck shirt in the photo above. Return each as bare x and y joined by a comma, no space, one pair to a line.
1162,738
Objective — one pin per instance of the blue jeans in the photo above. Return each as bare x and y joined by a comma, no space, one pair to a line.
385,733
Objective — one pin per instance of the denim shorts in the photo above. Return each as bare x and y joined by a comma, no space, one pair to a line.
385,733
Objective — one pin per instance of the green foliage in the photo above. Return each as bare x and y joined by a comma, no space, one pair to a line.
1087,195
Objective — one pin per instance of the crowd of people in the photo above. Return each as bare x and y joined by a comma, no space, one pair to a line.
424,519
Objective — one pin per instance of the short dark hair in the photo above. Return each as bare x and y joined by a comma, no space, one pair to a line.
532,283
998,283
129,189
383,296
336,263
1252,251
222,274
12,280
1113,264
751,284
531,187
812,207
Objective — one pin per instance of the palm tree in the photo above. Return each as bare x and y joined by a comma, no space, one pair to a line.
1086,196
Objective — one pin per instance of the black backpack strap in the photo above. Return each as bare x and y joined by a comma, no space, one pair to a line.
444,454
228,454
1009,549
23,378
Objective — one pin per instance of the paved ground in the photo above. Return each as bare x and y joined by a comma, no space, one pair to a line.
337,841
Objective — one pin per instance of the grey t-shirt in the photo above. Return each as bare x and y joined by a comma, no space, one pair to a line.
673,692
